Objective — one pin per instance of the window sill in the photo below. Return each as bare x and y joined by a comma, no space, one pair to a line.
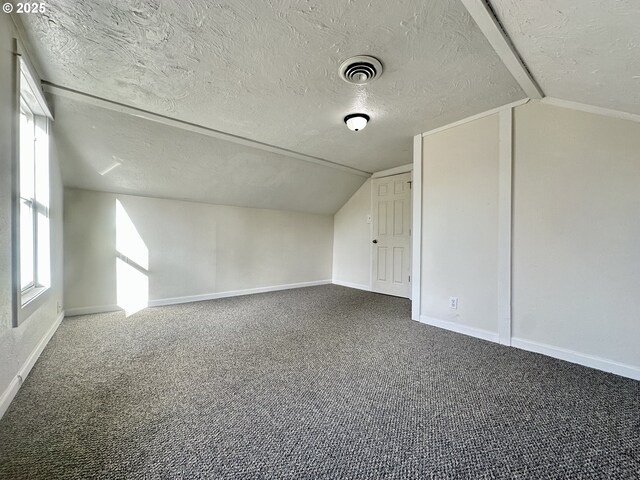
32,294
29,302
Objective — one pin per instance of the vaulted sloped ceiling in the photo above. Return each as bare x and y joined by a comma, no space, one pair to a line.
266,71
585,51
101,149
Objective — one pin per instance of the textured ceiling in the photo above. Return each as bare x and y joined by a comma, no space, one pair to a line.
267,70
103,150
586,51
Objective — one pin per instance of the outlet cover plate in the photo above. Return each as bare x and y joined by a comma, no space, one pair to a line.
453,303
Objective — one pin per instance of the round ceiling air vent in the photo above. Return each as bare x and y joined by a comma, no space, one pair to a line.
360,70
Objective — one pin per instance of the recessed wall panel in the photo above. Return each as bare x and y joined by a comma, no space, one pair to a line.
398,217
382,218
382,264
398,264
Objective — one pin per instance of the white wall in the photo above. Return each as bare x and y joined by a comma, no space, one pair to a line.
17,344
575,273
460,224
352,241
576,237
194,248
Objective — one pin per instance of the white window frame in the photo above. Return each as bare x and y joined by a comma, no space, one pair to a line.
29,96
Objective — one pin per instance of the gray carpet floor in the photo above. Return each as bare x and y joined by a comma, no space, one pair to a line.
321,382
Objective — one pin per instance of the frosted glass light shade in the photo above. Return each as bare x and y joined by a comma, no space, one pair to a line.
356,121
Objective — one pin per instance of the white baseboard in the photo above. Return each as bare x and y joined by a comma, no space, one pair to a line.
72,312
599,363
196,298
459,328
10,392
234,293
584,359
358,286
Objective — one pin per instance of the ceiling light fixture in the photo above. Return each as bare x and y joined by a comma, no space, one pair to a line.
356,121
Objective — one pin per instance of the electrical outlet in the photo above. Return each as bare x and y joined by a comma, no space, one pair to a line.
59,307
369,218
453,303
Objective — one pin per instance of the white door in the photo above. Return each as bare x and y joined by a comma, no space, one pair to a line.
391,269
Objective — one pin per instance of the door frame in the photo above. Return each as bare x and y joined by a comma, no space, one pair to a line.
416,228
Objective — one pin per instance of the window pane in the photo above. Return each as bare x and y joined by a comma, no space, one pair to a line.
41,155
27,157
44,249
26,244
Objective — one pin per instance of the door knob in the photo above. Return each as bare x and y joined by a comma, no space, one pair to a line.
375,241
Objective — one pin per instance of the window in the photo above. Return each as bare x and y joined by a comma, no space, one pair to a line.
32,202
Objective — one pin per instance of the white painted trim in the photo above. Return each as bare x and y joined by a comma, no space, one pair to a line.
192,127
416,229
599,363
10,392
14,231
557,102
371,244
25,44
234,293
37,351
72,312
459,328
505,192
358,286
478,116
196,298
393,171
501,43
372,250
42,107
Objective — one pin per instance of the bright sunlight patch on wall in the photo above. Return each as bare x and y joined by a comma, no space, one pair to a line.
132,265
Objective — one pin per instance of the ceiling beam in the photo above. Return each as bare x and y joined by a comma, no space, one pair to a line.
484,17
192,127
